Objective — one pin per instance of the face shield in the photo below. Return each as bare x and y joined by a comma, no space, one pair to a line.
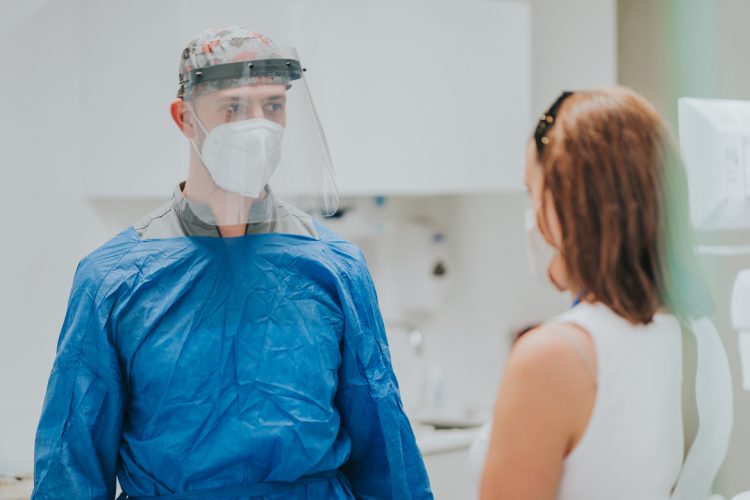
260,145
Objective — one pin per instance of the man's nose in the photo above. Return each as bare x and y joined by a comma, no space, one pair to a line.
256,111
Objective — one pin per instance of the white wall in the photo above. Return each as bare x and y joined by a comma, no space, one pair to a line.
49,225
491,296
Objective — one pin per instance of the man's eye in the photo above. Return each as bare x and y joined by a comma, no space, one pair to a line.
274,107
233,108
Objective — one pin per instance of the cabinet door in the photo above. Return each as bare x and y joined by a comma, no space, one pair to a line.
422,98
129,53
414,97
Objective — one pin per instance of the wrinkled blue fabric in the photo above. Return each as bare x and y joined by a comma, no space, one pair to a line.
195,363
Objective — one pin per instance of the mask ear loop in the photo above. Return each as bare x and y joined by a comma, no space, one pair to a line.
544,231
541,222
203,128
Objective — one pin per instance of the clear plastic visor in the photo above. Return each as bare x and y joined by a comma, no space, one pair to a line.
259,153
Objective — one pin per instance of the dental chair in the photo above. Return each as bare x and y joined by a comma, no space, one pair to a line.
713,389
741,323
713,394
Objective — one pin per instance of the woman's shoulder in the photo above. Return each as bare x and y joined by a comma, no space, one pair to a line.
548,392
556,350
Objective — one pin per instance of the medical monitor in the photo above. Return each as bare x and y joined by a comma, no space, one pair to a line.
715,144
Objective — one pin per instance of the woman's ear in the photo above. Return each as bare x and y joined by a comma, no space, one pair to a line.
181,119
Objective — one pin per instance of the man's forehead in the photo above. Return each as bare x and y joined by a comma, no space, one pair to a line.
251,91
255,89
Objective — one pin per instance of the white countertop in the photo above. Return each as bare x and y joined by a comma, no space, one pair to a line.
12,488
432,441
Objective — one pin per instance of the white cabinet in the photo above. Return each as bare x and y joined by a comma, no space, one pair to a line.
422,98
415,97
129,54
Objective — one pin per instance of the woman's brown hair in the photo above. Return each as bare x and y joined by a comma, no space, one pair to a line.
620,194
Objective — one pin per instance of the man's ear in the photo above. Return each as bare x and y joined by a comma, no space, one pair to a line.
181,118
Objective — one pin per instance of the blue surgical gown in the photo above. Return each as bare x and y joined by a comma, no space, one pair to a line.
194,363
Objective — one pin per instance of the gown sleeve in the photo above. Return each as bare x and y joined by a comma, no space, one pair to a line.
78,438
385,461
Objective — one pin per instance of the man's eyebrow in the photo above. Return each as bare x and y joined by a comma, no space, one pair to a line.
233,98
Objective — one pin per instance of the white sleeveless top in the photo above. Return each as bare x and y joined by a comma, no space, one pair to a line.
633,445
632,448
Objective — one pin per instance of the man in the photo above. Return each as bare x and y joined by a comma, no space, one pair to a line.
228,345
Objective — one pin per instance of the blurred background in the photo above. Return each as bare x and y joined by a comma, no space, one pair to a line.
427,107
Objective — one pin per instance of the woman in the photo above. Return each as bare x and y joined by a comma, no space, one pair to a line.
589,406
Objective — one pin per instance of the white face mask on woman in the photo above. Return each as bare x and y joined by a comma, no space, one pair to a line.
541,252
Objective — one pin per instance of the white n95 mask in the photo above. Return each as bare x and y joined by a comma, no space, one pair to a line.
241,156
541,253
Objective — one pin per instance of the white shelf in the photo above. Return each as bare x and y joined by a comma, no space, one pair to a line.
433,441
